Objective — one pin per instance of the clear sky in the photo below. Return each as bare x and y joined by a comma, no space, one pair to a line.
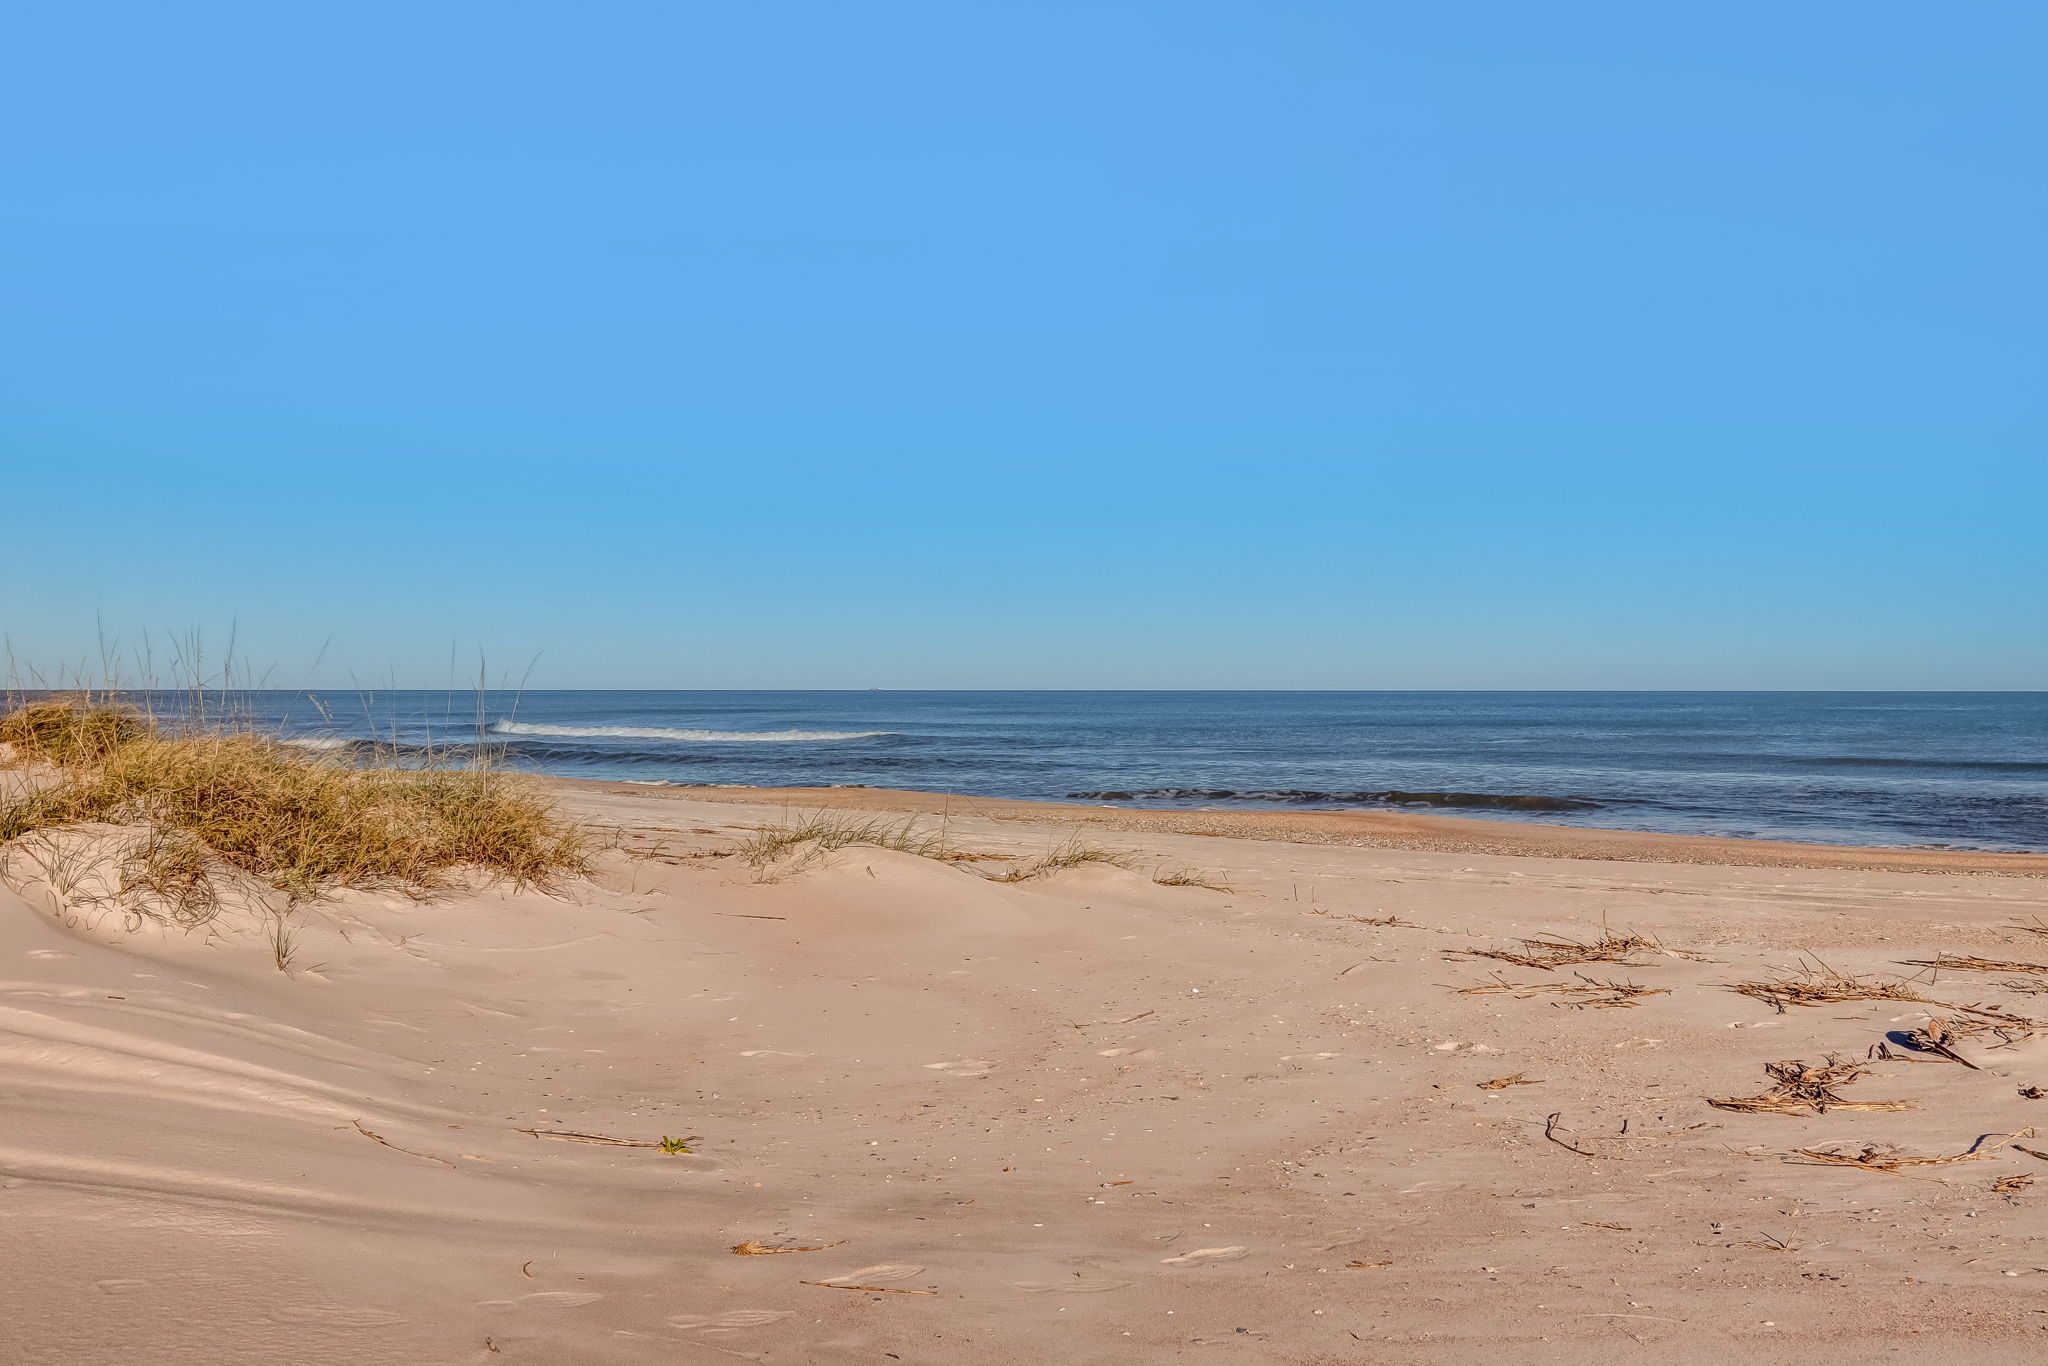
1049,343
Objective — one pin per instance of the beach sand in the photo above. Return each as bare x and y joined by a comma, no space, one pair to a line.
1085,1118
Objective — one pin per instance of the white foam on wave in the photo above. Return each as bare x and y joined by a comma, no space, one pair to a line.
319,742
783,737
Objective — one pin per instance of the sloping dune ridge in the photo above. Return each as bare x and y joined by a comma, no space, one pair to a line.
1085,1117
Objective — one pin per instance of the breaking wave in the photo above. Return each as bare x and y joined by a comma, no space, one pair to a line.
1471,800
767,737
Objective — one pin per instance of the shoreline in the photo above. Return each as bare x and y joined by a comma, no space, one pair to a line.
1428,832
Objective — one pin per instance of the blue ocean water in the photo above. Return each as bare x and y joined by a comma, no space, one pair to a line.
1964,770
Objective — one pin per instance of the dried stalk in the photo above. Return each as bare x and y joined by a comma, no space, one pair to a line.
1804,1090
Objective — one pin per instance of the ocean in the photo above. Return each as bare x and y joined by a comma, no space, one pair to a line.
1944,770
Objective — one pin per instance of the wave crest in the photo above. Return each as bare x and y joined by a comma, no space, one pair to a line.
768,737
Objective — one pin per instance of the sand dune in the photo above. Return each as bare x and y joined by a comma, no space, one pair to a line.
1082,1118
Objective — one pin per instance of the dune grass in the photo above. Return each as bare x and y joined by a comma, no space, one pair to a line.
777,851
805,838
69,734
299,821
1074,852
1191,877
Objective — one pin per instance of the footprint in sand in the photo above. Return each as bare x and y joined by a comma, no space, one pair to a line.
965,1067
338,1315
544,1299
731,1321
868,1275
559,1299
1205,1254
1124,1053
489,1010
1069,1287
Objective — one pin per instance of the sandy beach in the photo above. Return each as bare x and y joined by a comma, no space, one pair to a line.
907,684
1084,1117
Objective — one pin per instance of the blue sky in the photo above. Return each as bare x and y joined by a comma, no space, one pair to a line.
1104,344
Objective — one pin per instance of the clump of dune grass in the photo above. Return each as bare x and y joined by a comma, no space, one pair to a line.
807,838
68,734
284,943
1071,853
172,870
1189,877
1805,1090
142,874
295,819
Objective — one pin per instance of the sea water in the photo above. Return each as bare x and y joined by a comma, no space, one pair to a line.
1961,770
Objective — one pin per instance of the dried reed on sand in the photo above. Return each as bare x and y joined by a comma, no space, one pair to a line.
1552,954
1961,963
1816,984
1590,994
1942,1033
1806,1090
1885,1157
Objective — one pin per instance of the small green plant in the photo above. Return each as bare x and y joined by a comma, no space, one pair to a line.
672,1146
284,943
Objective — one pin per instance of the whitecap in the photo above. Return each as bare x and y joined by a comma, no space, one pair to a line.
784,737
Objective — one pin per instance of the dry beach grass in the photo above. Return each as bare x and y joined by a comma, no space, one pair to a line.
296,819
